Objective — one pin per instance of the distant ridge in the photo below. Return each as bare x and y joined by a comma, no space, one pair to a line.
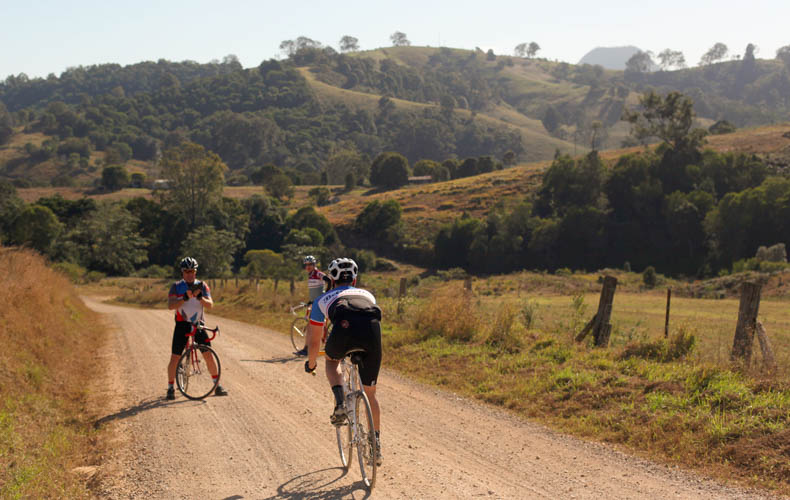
610,57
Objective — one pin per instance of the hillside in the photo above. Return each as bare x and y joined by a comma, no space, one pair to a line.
424,102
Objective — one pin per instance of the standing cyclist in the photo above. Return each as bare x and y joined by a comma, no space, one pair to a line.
356,324
317,282
189,297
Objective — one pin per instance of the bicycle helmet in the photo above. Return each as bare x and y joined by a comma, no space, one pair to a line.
188,263
343,270
309,259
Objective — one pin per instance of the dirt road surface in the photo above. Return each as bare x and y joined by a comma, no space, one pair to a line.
271,437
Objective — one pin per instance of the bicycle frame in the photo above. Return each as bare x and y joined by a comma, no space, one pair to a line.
193,353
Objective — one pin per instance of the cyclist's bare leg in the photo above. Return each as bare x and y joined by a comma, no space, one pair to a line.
333,373
171,367
212,366
370,392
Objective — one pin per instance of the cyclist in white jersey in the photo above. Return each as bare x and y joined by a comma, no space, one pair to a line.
317,282
355,324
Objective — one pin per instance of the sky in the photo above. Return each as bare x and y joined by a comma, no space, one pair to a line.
39,37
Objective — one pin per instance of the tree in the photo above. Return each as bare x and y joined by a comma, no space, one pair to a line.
669,58
668,118
11,205
37,227
108,240
716,53
399,39
196,178
490,56
6,124
533,49
783,54
349,44
288,47
214,250
639,63
343,162
280,186
520,50
551,119
509,158
114,177
380,221
389,170
261,263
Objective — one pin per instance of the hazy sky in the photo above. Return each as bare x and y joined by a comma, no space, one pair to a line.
45,36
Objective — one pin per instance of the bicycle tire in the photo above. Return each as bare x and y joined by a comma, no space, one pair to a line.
195,382
345,444
299,332
365,439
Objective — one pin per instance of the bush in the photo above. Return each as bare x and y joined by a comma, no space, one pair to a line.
94,276
447,314
677,347
74,272
385,265
529,313
154,271
649,277
505,331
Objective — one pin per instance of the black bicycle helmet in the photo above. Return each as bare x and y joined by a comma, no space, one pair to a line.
188,263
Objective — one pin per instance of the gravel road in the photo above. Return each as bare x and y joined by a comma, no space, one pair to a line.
271,437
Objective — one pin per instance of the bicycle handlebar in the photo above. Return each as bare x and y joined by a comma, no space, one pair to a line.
295,308
214,330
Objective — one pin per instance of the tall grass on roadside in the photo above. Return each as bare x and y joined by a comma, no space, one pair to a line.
47,363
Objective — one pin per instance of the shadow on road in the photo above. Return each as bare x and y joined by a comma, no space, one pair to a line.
272,361
318,484
144,405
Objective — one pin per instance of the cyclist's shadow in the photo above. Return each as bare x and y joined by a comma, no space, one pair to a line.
314,485
143,405
282,360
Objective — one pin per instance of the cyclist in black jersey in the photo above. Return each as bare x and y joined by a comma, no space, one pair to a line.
355,324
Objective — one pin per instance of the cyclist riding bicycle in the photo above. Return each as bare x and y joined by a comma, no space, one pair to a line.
317,283
355,324
188,297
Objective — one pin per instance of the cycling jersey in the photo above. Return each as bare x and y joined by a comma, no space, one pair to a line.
192,309
323,303
315,283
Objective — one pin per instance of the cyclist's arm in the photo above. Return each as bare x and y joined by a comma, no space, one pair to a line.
314,343
327,283
175,301
207,302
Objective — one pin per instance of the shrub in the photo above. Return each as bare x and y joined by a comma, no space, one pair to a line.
529,313
74,272
677,347
505,331
154,271
447,314
649,277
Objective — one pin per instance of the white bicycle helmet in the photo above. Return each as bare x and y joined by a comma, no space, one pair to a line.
343,270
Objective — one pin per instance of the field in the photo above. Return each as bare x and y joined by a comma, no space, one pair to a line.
510,343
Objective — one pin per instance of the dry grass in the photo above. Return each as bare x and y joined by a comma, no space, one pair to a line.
47,365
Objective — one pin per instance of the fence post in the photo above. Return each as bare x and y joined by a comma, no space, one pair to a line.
599,324
237,282
765,347
666,322
468,284
401,294
257,284
747,323
293,286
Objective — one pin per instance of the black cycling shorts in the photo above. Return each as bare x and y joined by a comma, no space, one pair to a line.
361,331
180,337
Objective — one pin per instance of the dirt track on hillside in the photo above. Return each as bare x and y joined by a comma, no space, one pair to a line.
271,437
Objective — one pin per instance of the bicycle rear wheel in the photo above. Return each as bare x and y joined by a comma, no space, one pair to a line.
365,439
299,332
193,377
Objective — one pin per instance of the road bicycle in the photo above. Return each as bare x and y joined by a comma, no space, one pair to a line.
193,373
299,326
357,431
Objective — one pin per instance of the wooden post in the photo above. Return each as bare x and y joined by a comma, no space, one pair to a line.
747,323
257,284
666,322
468,284
237,282
401,294
293,286
599,324
765,347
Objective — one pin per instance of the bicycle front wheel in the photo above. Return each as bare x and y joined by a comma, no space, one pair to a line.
194,372
299,332
367,451
344,444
